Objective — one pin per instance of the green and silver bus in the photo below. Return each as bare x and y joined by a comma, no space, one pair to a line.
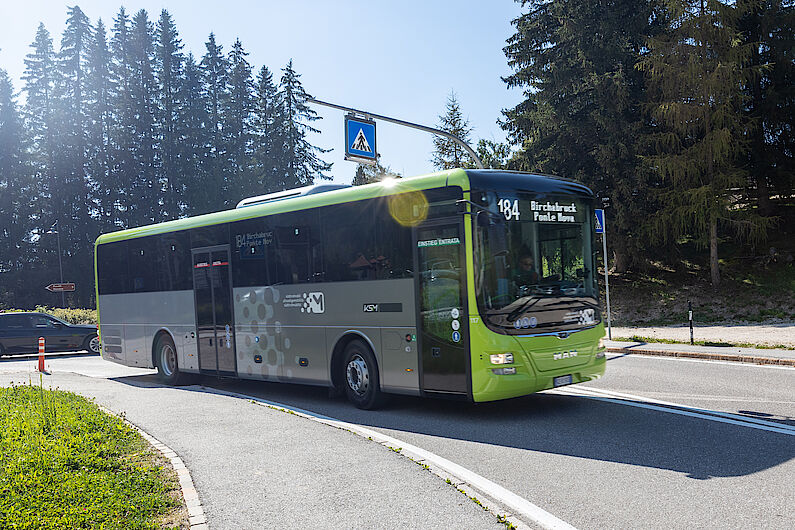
470,284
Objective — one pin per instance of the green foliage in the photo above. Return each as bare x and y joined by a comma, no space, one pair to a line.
494,155
72,316
368,173
66,464
582,113
122,128
447,153
695,70
677,113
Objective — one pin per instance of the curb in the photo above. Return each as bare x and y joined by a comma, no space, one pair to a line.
196,516
705,355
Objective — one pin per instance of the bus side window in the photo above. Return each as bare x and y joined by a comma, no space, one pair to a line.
296,237
393,245
349,241
112,268
142,254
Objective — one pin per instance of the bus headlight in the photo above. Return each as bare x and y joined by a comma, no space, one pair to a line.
501,358
600,351
504,371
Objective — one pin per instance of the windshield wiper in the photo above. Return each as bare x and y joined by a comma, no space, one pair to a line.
522,308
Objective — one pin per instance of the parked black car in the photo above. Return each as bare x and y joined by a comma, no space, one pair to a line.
20,332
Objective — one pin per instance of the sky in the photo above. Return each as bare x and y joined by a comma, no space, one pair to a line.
398,59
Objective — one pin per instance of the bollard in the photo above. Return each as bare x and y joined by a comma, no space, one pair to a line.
41,354
690,318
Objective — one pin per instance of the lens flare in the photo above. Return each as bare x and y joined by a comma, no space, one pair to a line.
409,209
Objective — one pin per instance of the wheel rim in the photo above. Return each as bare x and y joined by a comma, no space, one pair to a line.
168,359
358,375
94,345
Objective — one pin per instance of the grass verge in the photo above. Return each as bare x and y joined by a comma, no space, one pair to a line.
638,338
64,463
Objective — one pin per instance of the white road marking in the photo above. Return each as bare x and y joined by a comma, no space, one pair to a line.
610,357
683,410
520,505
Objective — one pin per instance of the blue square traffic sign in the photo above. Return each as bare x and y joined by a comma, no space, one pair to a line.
600,221
360,139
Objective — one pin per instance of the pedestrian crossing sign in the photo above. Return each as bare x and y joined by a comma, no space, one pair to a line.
599,227
360,140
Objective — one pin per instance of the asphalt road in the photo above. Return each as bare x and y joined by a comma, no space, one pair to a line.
603,455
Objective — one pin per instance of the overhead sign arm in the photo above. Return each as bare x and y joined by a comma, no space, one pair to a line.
371,116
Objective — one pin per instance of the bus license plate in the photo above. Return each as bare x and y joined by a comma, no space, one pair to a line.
562,380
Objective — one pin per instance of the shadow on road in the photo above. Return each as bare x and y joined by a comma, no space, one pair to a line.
549,423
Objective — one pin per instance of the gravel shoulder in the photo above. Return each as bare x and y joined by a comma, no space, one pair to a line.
782,334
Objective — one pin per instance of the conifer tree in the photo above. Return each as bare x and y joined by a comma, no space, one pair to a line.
238,115
302,164
39,80
695,69
770,100
582,114
71,200
168,64
494,155
369,173
120,205
268,131
194,140
148,189
447,153
215,79
100,116
16,189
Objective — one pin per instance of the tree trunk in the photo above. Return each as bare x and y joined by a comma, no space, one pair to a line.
621,257
713,251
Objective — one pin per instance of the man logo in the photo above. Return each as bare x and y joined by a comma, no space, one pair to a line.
314,303
564,355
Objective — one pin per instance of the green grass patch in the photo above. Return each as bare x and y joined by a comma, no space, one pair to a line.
64,463
638,338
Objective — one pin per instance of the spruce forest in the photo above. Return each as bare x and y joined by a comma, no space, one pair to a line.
121,128
678,114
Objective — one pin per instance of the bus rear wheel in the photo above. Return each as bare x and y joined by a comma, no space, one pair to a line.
166,361
361,376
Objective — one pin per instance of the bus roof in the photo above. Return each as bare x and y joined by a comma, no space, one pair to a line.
466,179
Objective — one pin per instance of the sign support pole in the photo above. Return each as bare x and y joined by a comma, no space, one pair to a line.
438,132
607,283
60,267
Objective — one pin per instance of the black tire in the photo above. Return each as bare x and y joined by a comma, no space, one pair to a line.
360,376
167,363
92,346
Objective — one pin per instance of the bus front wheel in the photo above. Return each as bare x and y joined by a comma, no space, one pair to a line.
361,376
167,364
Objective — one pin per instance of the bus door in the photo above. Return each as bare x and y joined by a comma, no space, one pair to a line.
215,325
443,317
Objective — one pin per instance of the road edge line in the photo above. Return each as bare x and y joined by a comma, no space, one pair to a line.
499,494
197,519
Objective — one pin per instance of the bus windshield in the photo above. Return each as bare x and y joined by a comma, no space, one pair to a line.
535,269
